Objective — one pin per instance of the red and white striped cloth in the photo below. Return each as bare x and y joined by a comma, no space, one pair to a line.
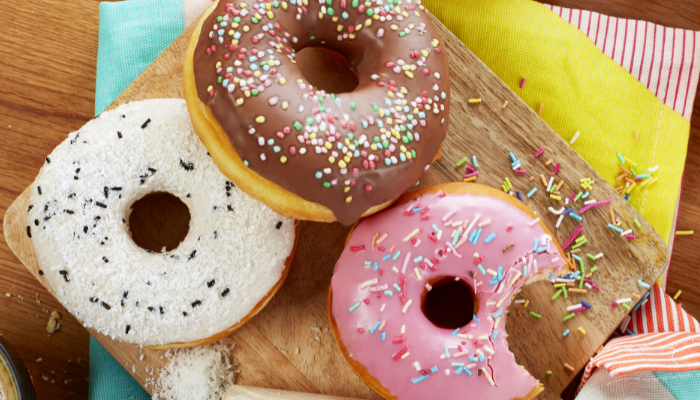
665,339
661,314
668,352
665,60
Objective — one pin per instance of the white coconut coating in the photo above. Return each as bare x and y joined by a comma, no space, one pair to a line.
233,254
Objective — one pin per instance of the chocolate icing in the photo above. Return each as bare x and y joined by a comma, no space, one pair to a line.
273,149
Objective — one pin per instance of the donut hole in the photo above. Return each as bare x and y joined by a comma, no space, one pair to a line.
451,303
159,220
327,70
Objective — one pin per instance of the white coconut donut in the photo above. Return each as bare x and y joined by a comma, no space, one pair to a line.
233,258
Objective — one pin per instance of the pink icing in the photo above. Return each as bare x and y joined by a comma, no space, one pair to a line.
427,342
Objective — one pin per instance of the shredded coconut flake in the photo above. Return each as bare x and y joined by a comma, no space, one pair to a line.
200,373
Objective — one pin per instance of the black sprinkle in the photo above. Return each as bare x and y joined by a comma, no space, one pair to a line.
85,229
46,207
145,124
147,175
196,303
38,188
94,299
126,293
123,116
128,328
75,139
137,304
187,195
47,218
68,211
116,188
123,221
194,252
77,170
151,309
211,283
162,311
70,196
41,272
30,207
225,292
97,218
186,166
228,207
63,272
279,224
184,313
119,134
29,231
106,306
65,278
216,234
36,222
48,160
105,259
76,178
97,203
229,186
148,283
106,191
216,208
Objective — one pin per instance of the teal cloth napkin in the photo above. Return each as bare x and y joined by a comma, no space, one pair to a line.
109,380
132,34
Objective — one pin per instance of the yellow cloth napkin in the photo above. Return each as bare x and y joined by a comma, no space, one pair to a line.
581,90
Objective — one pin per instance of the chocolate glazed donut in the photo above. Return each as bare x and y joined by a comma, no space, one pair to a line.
348,152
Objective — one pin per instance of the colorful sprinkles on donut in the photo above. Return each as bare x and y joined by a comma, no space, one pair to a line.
420,294
350,151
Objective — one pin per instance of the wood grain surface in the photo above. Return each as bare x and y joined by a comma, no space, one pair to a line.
48,91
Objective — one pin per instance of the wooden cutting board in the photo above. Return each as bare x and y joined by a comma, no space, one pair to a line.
289,345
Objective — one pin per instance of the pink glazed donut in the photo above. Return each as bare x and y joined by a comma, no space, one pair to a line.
419,296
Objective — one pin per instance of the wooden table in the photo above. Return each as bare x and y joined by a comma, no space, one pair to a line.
48,91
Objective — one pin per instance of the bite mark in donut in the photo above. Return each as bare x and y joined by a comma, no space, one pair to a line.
348,152
471,233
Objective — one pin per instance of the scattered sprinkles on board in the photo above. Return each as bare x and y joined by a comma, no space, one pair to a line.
580,199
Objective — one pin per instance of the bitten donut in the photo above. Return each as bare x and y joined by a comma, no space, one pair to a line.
306,153
234,257
420,293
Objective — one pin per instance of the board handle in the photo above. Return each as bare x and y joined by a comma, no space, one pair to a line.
238,392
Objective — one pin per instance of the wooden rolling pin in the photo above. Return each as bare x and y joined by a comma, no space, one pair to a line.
237,392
